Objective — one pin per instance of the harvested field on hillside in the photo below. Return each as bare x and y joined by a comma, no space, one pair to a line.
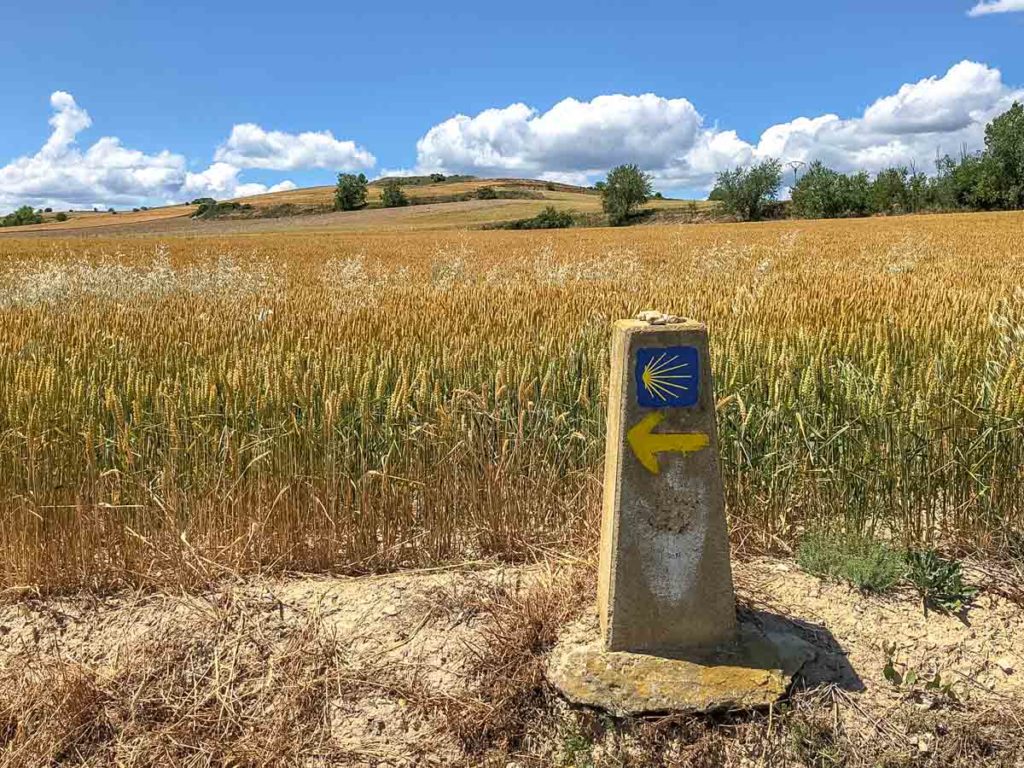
177,409
446,205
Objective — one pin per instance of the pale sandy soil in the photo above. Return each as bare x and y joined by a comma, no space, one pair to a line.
402,649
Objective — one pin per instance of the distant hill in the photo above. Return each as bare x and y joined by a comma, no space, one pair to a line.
458,202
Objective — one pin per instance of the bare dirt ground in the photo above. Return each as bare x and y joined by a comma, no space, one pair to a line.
445,668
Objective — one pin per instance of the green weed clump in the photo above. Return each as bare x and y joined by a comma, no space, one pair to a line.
868,564
939,581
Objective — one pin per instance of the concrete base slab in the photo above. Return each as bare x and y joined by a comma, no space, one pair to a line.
753,671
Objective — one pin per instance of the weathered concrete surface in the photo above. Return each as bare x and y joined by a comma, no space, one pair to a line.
664,582
753,671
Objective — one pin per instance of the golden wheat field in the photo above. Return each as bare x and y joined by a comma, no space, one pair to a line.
174,409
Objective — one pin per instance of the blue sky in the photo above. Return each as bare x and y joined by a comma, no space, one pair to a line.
177,77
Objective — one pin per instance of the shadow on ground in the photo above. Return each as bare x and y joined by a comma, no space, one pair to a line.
831,663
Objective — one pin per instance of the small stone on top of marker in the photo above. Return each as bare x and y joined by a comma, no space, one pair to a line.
654,317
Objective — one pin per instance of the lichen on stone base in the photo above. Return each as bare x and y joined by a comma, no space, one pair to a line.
754,671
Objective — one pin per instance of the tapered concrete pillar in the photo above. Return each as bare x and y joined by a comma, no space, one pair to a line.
665,584
668,638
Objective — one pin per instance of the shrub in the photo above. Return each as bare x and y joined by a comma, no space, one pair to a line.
867,564
746,193
627,187
437,178
486,193
214,209
350,193
392,195
552,218
48,210
61,216
549,218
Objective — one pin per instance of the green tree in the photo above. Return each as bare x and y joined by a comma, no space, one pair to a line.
823,193
1004,146
22,216
890,192
627,188
973,183
392,195
920,192
747,192
350,192
61,216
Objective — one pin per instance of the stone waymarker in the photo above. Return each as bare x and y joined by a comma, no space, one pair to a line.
669,639
664,579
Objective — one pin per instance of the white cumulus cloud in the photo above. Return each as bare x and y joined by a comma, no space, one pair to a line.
934,115
573,137
985,7
250,146
221,181
63,174
669,138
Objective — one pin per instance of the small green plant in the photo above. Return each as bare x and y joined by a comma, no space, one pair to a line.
901,676
61,216
576,748
939,581
486,193
869,565
392,195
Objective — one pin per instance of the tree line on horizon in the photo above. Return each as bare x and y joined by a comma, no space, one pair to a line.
989,180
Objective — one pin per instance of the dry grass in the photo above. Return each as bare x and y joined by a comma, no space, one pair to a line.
264,674
170,409
215,693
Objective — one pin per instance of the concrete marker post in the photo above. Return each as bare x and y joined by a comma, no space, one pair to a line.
666,637
665,583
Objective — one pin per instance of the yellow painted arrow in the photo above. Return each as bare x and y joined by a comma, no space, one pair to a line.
646,444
